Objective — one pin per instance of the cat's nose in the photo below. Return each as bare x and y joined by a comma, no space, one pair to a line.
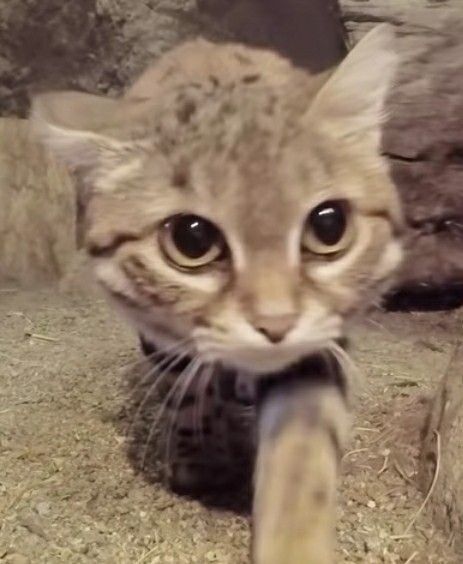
275,327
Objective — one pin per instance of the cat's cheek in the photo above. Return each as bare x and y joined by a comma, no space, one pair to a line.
391,259
156,324
344,283
112,280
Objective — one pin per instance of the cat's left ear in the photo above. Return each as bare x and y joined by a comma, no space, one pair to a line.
352,101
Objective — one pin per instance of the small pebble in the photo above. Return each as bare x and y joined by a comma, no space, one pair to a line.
43,508
17,558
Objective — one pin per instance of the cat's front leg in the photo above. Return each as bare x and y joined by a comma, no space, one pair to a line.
302,432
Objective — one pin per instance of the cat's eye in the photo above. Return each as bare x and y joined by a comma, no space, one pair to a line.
190,241
328,228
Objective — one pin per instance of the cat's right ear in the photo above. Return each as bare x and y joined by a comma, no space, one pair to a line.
78,130
76,127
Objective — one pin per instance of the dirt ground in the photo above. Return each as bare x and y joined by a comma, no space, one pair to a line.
70,493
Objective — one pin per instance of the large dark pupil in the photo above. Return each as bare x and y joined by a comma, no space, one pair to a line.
193,236
328,222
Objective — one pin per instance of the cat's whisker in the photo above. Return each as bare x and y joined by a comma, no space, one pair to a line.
164,357
153,368
126,371
354,376
379,325
144,369
167,365
162,409
196,408
185,384
149,358
203,384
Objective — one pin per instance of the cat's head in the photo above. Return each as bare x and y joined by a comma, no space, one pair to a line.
234,201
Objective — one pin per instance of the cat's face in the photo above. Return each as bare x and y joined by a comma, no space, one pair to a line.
250,216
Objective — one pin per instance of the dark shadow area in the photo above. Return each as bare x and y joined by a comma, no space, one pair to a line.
426,297
311,34
143,422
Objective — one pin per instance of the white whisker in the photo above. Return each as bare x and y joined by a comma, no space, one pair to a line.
165,357
149,358
203,384
376,323
354,377
166,364
162,409
187,380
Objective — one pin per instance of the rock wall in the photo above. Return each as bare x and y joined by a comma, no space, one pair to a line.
441,470
94,45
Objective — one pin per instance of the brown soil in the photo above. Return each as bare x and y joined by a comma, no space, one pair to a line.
69,492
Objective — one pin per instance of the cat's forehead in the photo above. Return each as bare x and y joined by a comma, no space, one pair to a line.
216,97
253,197
233,134
211,65
218,115
234,146
249,176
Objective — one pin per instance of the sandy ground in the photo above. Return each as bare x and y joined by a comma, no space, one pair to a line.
70,493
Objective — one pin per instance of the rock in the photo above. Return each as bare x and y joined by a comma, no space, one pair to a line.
309,33
37,242
441,465
17,558
423,139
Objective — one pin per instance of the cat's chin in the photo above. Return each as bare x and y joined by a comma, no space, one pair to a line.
259,362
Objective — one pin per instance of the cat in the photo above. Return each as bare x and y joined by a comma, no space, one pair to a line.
238,211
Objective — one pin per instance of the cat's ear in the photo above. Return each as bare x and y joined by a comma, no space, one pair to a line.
352,101
78,127
73,126
84,131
